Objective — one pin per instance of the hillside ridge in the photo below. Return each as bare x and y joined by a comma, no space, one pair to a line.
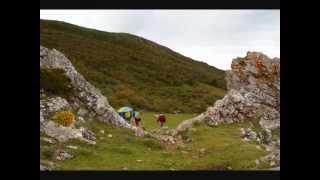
131,70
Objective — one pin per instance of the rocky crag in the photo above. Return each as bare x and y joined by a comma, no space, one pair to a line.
253,91
253,85
86,101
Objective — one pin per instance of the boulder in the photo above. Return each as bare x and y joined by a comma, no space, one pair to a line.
61,133
265,136
48,140
87,134
62,155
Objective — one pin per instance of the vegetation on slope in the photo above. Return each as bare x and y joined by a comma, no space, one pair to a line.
130,70
54,82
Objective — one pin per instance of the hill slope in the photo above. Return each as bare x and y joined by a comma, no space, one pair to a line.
130,70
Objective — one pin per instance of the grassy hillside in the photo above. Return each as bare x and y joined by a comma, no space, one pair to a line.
130,70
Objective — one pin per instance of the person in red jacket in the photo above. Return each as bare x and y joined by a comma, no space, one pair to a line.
136,119
161,119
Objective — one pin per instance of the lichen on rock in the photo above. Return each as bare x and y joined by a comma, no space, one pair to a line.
253,86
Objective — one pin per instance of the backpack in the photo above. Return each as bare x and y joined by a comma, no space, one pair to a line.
162,118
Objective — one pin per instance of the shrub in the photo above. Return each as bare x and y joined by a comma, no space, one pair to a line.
54,81
64,118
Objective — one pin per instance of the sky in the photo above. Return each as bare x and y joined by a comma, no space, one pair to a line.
212,36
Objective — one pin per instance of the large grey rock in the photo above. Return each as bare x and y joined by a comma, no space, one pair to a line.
253,86
62,155
185,125
85,94
61,133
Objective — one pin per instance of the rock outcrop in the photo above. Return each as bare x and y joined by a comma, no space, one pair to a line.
253,86
86,103
185,125
253,91
86,98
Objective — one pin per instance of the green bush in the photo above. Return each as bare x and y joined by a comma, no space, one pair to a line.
54,82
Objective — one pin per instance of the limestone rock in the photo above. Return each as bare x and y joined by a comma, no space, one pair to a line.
85,94
253,85
265,136
54,104
61,133
82,112
62,155
72,147
248,134
80,119
88,134
48,140
187,124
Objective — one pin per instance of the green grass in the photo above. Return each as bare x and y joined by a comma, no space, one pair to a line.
131,70
172,120
224,145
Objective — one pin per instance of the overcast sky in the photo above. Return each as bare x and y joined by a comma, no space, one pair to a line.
212,36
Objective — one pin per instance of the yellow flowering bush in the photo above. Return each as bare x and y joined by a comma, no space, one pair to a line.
65,118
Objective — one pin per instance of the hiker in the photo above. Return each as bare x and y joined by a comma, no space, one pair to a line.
161,119
136,119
